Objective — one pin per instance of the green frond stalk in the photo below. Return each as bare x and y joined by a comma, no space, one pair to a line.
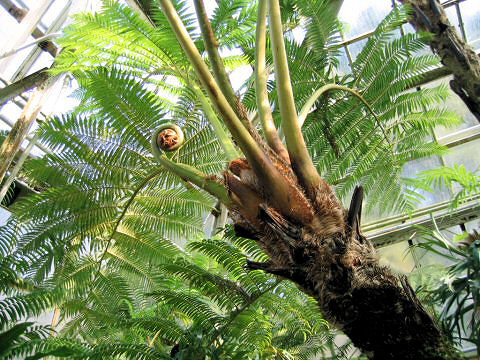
299,156
224,139
235,126
261,75
211,45
258,160
329,87
192,175
120,218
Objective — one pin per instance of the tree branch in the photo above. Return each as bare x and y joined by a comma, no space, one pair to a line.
454,53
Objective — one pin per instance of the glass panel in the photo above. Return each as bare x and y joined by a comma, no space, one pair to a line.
473,225
4,215
466,154
53,12
397,257
356,48
453,18
362,16
453,103
6,25
11,111
471,18
412,168
343,64
427,258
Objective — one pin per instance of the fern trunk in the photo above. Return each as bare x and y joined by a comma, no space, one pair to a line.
455,54
326,255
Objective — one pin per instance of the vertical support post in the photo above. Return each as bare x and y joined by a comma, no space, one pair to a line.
347,51
14,172
19,131
461,25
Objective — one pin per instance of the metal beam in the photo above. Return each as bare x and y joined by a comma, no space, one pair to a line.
403,227
26,65
25,84
27,26
18,14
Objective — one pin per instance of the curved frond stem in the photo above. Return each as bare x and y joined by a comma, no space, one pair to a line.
245,307
192,175
211,45
329,87
120,218
299,156
261,75
224,139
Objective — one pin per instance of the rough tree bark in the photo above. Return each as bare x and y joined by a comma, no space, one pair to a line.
454,53
327,256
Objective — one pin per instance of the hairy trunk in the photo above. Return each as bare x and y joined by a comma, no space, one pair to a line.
327,256
454,53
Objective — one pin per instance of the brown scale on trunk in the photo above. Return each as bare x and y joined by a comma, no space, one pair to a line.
328,258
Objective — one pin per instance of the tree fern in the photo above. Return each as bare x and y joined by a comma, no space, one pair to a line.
104,231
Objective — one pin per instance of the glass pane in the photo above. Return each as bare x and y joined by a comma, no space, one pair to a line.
453,103
427,258
343,64
471,18
397,257
466,154
453,18
362,16
412,168
4,215
473,225
52,14
356,48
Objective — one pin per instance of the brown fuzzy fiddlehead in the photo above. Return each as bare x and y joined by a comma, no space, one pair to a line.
168,137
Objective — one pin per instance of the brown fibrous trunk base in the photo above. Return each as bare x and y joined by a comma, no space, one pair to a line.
328,258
